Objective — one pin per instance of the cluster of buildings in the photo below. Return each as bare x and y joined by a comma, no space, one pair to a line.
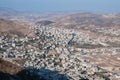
58,50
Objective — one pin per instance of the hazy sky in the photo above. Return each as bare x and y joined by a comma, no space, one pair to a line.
62,5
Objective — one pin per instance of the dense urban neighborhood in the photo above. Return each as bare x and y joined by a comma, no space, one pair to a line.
82,46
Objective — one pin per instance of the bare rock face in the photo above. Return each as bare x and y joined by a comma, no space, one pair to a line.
8,67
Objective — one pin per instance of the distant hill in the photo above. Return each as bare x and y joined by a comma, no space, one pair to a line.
82,20
13,27
8,13
32,16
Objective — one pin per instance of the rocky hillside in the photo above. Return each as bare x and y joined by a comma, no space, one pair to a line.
8,67
12,27
88,20
98,24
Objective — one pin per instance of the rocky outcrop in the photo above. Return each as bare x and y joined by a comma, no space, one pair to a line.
8,67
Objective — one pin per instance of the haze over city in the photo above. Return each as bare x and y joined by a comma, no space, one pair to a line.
104,6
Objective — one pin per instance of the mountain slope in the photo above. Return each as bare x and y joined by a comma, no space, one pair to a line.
14,27
81,20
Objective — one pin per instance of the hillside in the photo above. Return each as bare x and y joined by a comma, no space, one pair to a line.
32,16
14,27
83,46
81,20
8,67
91,23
